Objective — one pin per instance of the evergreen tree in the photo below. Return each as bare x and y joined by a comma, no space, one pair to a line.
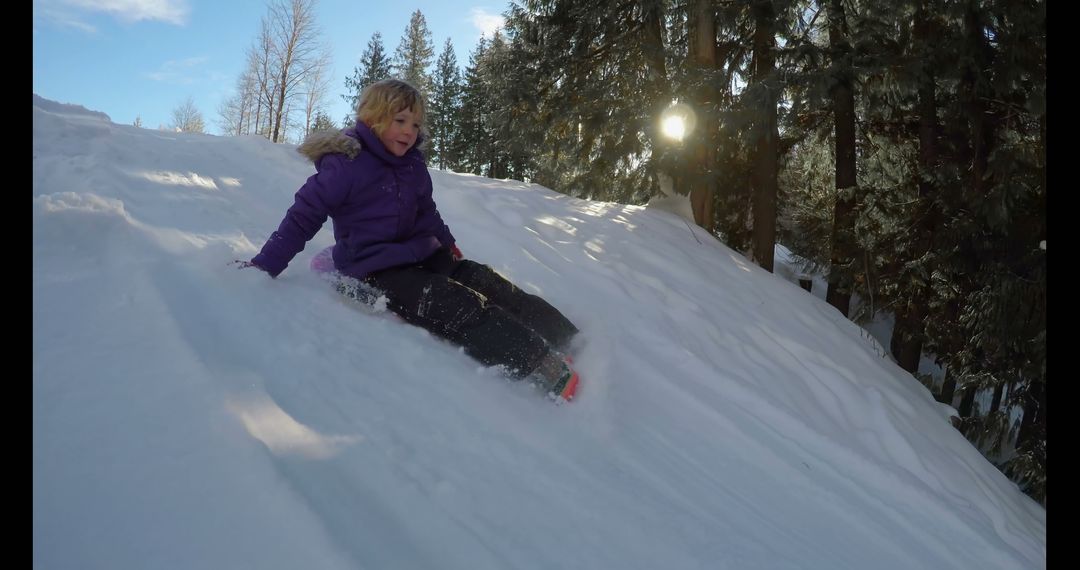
322,122
596,71
952,207
444,110
842,91
702,60
474,141
904,140
998,115
374,66
765,90
415,53
498,115
498,109
731,113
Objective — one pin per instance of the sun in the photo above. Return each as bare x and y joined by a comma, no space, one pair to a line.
674,127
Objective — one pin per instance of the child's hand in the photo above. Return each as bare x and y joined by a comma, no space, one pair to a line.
241,264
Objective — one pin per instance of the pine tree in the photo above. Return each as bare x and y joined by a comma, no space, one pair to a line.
702,58
499,115
415,53
904,141
474,139
999,113
598,91
952,206
730,112
766,88
499,111
843,107
374,66
444,110
322,122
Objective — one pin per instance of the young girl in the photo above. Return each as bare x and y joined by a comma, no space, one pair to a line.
372,181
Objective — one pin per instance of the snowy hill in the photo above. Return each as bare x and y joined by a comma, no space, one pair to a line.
188,414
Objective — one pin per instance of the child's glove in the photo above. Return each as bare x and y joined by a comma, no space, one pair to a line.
454,251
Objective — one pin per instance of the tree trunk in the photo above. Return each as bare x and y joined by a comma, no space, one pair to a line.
995,404
1033,423
909,334
659,88
258,114
967,403
906,342
981,122
838,293
766,134
281,104
703,53
948,390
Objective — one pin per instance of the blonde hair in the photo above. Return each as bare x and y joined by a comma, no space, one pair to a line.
381,100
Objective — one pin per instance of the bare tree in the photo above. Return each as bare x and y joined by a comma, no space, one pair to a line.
230,115
291,124
316,86
261,63
237,113
287,71
248,93
187,118
298,52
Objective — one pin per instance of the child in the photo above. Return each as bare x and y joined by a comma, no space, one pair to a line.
372,182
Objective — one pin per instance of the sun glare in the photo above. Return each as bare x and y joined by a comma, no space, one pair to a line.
674,127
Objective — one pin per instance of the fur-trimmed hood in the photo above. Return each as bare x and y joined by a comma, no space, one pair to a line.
345,141
320,143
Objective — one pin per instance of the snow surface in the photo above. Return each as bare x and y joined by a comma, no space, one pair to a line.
189,414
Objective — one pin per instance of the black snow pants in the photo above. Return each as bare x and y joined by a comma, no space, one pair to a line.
472,306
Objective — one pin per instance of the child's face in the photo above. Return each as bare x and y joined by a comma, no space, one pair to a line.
401,134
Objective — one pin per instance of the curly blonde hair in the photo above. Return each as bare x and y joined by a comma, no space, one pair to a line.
381,100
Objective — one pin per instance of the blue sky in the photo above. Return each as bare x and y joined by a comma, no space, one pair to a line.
145,57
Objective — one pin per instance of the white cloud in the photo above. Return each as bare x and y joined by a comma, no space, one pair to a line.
485,22
171,11
181,72
61,16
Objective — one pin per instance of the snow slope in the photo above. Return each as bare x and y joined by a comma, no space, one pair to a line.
188,414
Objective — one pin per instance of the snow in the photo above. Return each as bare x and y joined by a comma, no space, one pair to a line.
190,414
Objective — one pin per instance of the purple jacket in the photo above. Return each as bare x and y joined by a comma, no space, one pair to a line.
380,204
